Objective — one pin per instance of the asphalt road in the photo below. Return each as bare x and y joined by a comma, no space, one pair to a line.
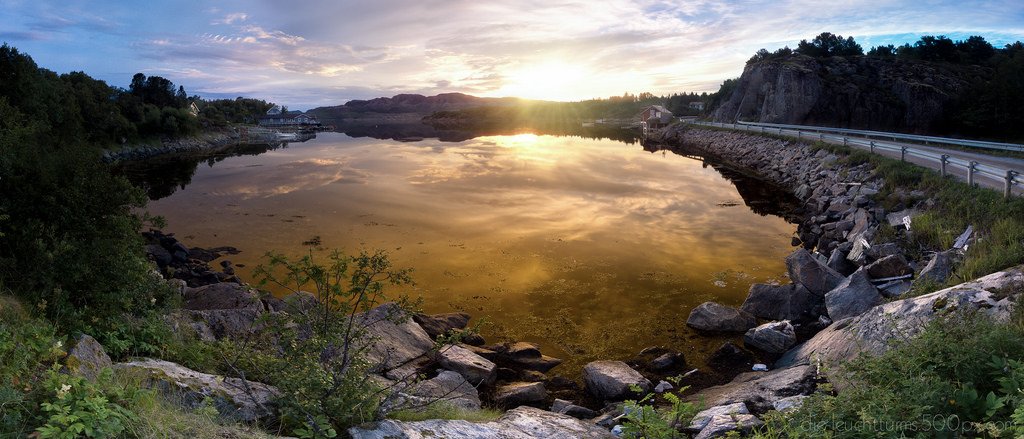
983,179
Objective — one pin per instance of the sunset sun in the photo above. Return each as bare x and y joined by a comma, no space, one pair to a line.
551,80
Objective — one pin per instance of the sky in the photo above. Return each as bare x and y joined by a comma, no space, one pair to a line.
312,53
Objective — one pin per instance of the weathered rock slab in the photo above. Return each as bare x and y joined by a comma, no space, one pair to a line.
234,398
517,394
476,369
773,337
852,297
519,423
610,380
87,358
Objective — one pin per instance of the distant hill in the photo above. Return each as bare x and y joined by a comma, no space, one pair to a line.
406,106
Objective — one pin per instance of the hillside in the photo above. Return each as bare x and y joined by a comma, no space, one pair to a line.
887,94
413,105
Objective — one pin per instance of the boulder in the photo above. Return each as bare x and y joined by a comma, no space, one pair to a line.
86,358
873,331
217,324
729,356
668,361
714,317
517,394
781,302
519,423
880,251
476,369
568,408
760,390
610,380
789,403
437,325
223,295
838,262
773,338
852,297
702,419
160,255
889,266
721,425
940,267
392,337
447,387
522,349
234,398
806,270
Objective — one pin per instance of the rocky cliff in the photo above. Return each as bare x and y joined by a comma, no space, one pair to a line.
856,92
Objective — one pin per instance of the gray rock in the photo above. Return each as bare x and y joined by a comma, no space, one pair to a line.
838,262
714,317
668,361
477,370
789,403
760,390
522,349
217,324
774,337
852,297
241,400
806,270
86,358
392,337
437,325
517,394
781,302
880,251
940,267
568,408
721,425
225,295
895,288
519,423
702,419
889,266
663,386
610,380
872,332
447,387
159,255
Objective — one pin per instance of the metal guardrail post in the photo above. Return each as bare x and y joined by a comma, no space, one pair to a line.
846,141
821,136
943,160
762,129
872,146
1008,188
971,169
780,131
799,134
903,153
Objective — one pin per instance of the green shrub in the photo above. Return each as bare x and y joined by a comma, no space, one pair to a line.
319,363
78,408
645,421
963,374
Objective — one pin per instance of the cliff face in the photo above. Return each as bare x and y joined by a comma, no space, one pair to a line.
851,92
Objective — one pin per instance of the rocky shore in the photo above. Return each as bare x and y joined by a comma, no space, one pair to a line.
207,141
847,295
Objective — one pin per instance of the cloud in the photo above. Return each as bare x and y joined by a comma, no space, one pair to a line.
285,50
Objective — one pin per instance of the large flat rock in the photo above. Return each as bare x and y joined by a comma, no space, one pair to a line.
518,423
872,332
610,380
760,390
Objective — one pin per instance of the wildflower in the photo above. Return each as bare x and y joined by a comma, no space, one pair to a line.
63,390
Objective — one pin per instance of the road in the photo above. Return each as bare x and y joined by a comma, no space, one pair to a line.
992,168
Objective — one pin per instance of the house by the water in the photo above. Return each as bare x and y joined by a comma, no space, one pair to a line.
655,116
276,118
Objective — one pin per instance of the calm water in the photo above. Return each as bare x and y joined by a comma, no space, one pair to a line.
591,248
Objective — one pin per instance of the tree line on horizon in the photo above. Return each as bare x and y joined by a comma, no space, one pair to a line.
76,105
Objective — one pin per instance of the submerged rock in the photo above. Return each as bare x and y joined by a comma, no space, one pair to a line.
714,317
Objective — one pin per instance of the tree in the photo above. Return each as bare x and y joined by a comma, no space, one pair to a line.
827,44
883,51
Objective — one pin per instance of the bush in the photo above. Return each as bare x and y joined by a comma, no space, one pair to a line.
319,362
962,375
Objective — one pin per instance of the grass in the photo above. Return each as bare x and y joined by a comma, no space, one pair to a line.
961,376
444,410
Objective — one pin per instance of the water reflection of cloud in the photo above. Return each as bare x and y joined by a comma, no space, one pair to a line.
285,178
